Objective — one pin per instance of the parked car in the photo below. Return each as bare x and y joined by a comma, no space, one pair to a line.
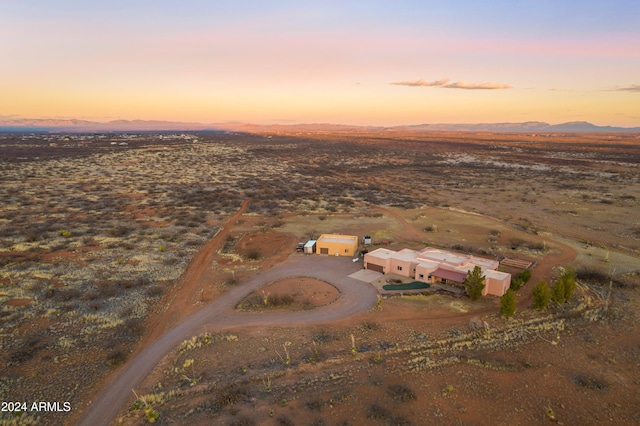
300,247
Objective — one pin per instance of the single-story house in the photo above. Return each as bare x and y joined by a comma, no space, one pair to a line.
337,245
432,265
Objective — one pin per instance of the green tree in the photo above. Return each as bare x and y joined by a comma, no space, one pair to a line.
569,278
508,304
474,283
525,275
558,292
516,284
541,296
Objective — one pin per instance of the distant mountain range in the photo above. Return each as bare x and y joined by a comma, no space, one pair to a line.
84,126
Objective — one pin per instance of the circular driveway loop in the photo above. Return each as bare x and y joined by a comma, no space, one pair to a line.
355,297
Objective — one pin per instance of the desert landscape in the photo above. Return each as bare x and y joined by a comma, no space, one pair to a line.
115,243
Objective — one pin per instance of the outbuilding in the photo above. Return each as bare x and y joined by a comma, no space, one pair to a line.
337,245
310,247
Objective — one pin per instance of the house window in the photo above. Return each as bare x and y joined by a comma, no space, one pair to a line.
399,268
346,250
421,276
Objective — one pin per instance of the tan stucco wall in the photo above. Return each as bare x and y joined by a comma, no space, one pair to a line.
343,249
496,287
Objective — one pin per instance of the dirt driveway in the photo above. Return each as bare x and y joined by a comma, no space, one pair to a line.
355,297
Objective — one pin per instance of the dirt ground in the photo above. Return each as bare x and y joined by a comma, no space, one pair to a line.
417,359
304,292
103,250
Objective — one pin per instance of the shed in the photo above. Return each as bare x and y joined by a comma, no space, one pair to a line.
337,245
310,247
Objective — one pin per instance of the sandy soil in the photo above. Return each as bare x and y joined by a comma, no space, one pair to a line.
133,274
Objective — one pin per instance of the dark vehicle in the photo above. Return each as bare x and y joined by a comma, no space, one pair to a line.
300,247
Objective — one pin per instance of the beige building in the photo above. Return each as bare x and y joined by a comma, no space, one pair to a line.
432,265
337,245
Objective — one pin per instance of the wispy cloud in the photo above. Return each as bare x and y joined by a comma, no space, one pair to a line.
476,86
632,88
444,82
422,83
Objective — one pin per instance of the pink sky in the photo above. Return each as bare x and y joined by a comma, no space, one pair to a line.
298,62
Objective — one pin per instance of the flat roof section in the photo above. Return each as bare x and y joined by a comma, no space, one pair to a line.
443,256
331,238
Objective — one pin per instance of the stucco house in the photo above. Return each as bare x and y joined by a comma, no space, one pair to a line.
432,265
337,245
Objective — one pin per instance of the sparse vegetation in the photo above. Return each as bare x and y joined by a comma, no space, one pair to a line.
119,206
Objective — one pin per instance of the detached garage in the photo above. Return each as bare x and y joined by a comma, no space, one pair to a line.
337,245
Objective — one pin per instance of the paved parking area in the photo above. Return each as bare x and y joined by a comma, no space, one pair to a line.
366,275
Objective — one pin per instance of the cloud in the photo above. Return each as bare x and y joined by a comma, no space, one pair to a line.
632,88
476,86
422,83
456,85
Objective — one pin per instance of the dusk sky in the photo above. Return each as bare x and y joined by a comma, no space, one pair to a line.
374,62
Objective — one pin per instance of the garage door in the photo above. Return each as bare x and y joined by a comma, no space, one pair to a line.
377,268
324,250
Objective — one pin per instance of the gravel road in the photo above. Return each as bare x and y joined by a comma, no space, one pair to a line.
355,297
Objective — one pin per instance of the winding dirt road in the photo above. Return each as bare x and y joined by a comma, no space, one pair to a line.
355,297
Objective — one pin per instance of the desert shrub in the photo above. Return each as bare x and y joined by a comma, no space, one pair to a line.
32,345
284,421
369,326
94,305
592,275
323,337
536,246
134,327
106,288
119,231
474,283
65,295
516,242
155,291
253,254
541,296
230,282
508,304
278,300
91,295
243,421
525,275
116,358
377,412
171,260
32,236
402,393
590,382
516,284
127,245
231,395
314,405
